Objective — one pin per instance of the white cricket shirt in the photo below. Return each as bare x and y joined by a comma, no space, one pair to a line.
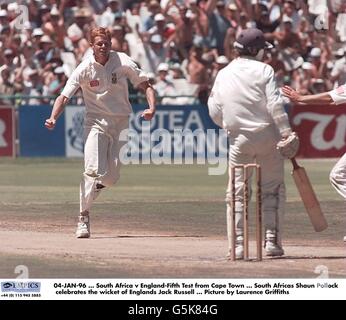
105,88
245,97
339,94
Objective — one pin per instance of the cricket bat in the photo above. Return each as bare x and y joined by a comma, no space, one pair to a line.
308,196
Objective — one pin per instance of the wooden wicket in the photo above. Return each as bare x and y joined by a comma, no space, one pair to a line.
258,219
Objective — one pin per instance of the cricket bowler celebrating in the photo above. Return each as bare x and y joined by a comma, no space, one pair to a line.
246,102
102,76
338,96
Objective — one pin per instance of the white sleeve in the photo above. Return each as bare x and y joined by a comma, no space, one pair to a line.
134,73
215,109
72,84
339,94
275,103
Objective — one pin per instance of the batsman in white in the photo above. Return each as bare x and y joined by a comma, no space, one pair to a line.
246,101
338,96
102,76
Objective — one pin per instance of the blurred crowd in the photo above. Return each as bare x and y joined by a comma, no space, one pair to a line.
180,44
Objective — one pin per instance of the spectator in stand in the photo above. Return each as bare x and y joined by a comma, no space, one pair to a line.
55,86
176,71
340,23
220,63
163,86
46,45
119,43
171,7
198,73
4,20
243,23
7,86
155,53
33,87
233,15
287,38
319,59
184,31
36,37
200,20
107,18
184,91
290,12
289,44
9,61
211,24
77,33
304,77
272,58
262,19
161,27
153,8
55,28
43,14
230,53
78,29
218,24
338,73
318,86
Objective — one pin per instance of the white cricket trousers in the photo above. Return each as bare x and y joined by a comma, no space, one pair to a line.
337,176
101,155
257,147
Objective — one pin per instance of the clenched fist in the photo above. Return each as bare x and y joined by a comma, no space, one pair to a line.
148,114
50,123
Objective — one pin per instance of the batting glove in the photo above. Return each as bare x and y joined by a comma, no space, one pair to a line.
288,147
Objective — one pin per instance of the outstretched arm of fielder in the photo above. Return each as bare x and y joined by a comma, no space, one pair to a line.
58,108
321,98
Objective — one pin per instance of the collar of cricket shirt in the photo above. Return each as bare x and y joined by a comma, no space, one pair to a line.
94,62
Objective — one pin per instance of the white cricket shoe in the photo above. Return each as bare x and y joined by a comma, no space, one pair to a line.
83,227
272,248
344,238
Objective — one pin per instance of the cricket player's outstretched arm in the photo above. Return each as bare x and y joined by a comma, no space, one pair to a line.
58,108
146,87
320,98
72,85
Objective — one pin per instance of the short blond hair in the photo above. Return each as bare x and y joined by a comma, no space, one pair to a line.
99,31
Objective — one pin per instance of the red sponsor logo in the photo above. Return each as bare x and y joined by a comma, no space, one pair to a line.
94,83
6,131
341,90
321,130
